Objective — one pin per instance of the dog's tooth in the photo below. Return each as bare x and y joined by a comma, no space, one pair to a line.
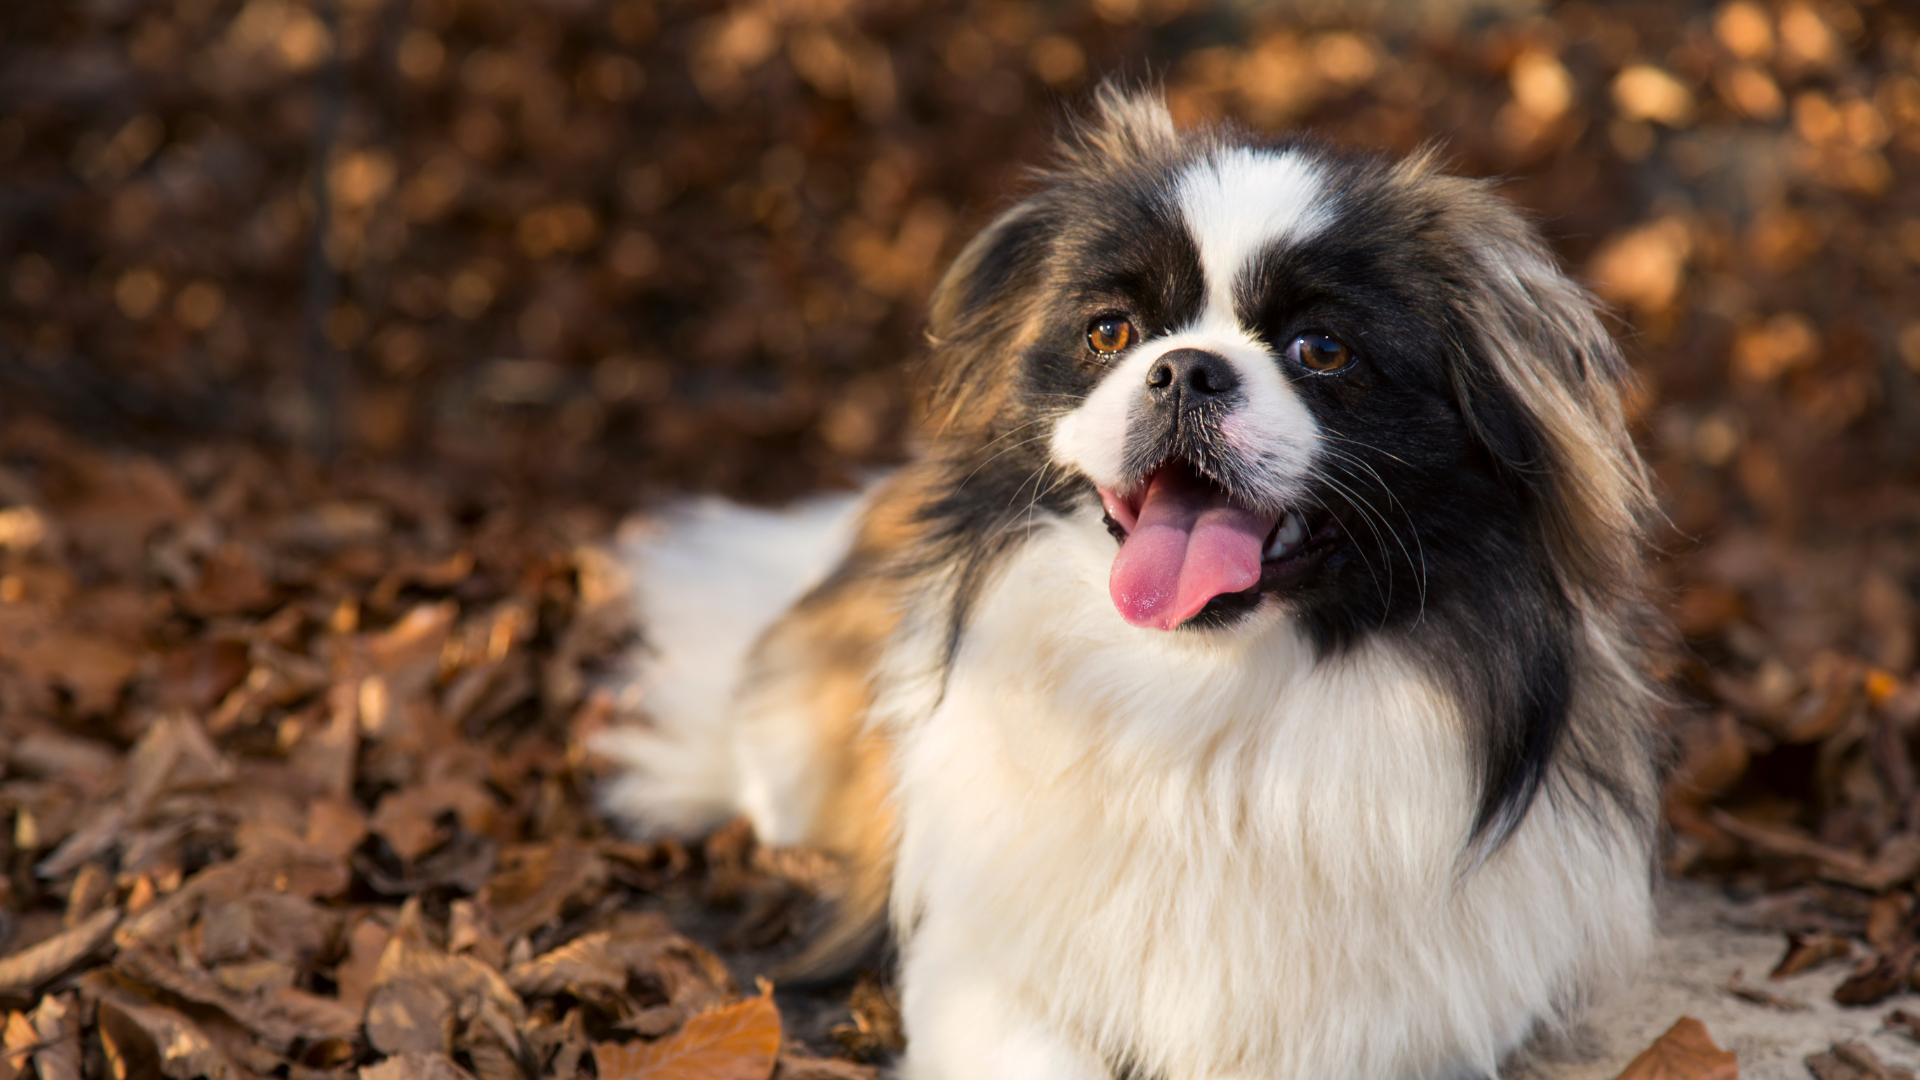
1287,537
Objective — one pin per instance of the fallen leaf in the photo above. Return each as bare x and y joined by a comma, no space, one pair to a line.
57,1020
739,1042
537,881
1685,1052
1808,951
415,1066
21,1041
876,1027
409,1016
141,1032
1877,978
354,977
197,675
32,966
1762,996
1853,1061
802,1067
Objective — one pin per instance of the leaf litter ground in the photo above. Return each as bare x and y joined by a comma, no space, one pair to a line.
315,798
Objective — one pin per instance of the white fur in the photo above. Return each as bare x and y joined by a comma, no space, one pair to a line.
1203,849
1237,205
709,576
1213,852
1241,201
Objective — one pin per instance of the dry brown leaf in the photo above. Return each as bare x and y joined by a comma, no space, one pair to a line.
1877,978
407,817
145,965
410,1016
272,863
1685,1052
92,668
739,1042
802,1067
326,753
876,1027
354,977
1808,951
57,1021
324,1015
537,881
415,1066
175,753
493,1046
101,828
36,964
1713,757
92,886
581,965
407,654
1898,859
91,765
461,979
1853,1060
1888,920
335,825
253,978
21,1040
144,1035
233,579
470,929
1761,996
198,674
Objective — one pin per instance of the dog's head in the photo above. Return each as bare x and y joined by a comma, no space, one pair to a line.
1284,373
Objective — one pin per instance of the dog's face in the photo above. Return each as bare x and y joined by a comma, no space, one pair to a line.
1285,375
1247,363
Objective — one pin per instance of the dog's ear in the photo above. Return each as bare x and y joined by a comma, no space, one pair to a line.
981,310
1001,259
1543,382
1126,126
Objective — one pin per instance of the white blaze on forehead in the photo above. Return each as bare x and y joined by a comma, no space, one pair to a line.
1239,202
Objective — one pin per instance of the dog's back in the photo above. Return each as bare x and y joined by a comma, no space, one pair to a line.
709,577
760,631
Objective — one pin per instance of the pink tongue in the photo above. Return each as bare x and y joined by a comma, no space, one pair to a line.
1189,545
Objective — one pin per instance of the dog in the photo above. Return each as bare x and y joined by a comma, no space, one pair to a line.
1246,677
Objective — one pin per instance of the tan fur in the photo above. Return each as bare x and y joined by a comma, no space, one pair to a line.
823,654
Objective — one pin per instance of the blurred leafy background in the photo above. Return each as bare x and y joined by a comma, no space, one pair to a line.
654,243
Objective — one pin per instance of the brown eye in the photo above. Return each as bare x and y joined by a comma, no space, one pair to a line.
1109,334
1319,352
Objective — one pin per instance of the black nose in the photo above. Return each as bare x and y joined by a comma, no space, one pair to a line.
1194,374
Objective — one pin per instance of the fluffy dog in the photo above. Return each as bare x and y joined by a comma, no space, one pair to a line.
1245,678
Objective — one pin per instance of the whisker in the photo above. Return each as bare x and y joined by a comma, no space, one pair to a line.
1419,561
1367,515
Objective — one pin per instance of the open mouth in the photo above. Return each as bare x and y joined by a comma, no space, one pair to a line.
1186,546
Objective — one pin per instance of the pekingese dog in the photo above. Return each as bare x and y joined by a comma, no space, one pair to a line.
1245,677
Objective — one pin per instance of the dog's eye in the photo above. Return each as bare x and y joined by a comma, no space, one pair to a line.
1109,334
1319,352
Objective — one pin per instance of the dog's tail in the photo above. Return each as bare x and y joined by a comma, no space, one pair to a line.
709,577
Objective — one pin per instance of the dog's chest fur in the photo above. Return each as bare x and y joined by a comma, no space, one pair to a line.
1213,855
